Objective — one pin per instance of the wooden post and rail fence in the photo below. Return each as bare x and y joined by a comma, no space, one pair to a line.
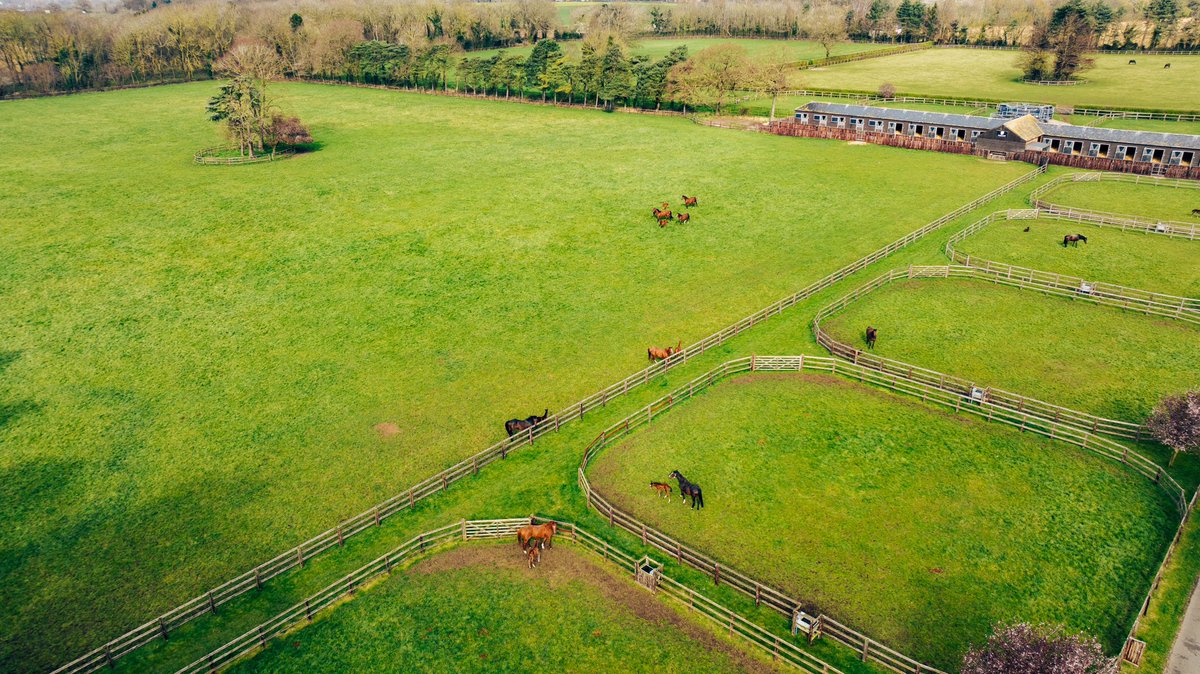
1039,198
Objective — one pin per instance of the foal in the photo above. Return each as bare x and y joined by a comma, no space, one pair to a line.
663,489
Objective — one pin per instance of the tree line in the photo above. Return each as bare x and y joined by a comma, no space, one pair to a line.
154,41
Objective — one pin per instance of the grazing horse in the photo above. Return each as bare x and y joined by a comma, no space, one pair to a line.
663,489
1132,62
1166,66
684,217
537,533
663,213
687,489
534,555
872,334
654,353
690,201
1074,240
514,426
1196,212
663,222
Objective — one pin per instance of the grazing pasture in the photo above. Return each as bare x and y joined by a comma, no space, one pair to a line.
1139,260
1101,360
1143,200
656,48
916,526
479,608
203,366
995,75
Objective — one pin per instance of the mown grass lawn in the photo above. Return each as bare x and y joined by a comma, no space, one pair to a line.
1097,359
1167,203
195,358
1138,260
995,75
919,527
478,608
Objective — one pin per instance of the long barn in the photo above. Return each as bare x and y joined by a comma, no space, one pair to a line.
1009,136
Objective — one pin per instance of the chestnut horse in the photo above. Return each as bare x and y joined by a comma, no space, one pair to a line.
689,201
663,489
664,222
514,426
542,533
534,554
684,217
654,353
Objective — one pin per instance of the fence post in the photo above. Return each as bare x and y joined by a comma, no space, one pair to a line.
300,556
866,647
341,539
212,605
162,627
262,640
307,611
716,573
464,530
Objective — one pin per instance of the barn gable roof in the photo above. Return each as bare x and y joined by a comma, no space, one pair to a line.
900,115
1026,128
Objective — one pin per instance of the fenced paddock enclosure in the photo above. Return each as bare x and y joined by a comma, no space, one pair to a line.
988,328
224,155
1139,203
1020,242
768,645
718,473
232,555
983,74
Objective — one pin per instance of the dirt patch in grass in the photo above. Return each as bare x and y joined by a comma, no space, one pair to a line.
562,565
387,430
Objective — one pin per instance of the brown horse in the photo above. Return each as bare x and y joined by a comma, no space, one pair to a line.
684,217
664,222
654,353
514,426
534,555
872,334
542,533
1167,66
1073,239
662,488
662,214
690,201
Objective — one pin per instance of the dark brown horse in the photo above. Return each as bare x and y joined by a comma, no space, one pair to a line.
872,334
687,489
1132,62
538,533
1167,66
690,201
1073,239
654,353
1196,212
514,426
684,217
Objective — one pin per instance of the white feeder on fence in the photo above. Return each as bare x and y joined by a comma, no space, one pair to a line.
978,394
806,624
1085,288
648,572
1160,228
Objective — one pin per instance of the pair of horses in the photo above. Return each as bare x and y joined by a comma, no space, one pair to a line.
1073,240
654,353
1166,66
514,426
536,536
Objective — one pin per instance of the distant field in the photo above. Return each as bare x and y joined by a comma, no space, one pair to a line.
1101,360
1116,197
194,359
1139,260
917,526
994,74
478,608
793,50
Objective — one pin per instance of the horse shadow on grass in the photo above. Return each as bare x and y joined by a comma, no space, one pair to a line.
10,411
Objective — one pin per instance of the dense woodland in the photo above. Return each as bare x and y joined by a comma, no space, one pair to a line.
81,46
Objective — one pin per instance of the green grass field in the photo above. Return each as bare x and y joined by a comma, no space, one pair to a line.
995,75
479,608
1127,198
195,358
1097,359
1138,260
919,527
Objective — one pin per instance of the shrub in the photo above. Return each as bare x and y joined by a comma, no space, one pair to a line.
286,131
887,91
1038,649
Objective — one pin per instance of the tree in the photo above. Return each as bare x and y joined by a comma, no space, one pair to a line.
286,131
242,103
910,14
615,77
1163,14
1037,649
1058,47
877,16
1176,423
769,75
828,28
295,21
544,53
722,69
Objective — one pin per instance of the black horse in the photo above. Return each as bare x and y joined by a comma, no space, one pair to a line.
514,426
1073,239
687,489
872,333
